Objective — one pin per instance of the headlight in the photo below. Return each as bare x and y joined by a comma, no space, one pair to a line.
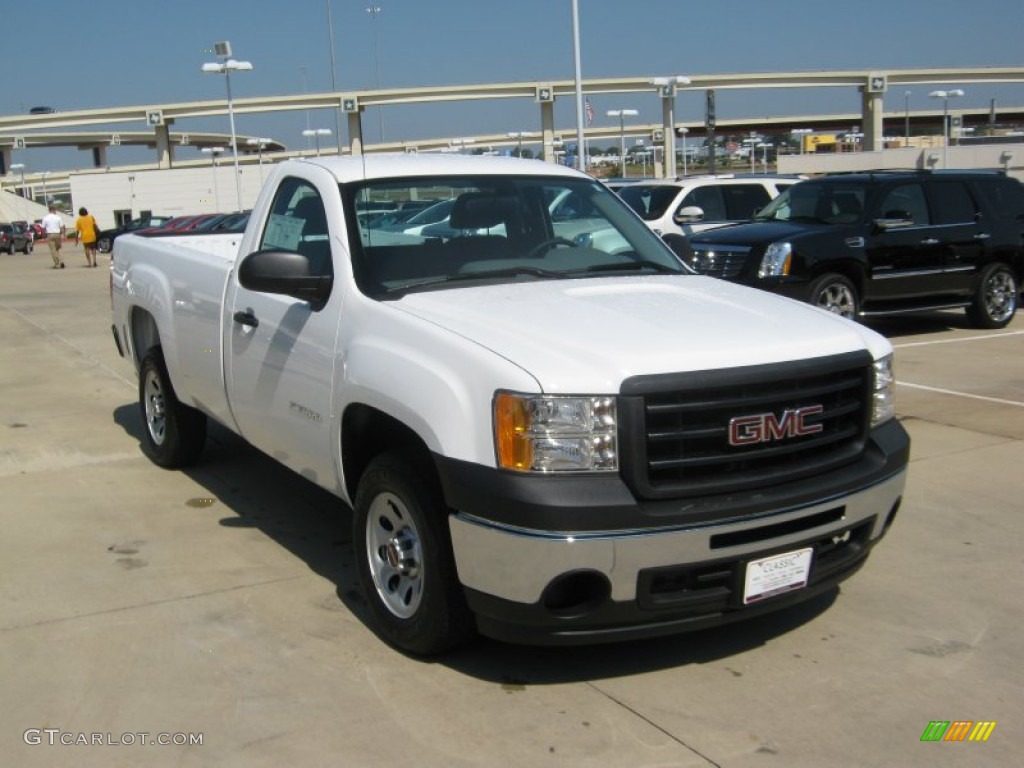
776,260
882,408
543,433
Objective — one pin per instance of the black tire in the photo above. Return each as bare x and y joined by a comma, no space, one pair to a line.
995,298
28,248
405,561
103,245
835,293
174,433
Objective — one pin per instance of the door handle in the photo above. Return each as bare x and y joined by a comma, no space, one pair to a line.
246,318
982,236
929,241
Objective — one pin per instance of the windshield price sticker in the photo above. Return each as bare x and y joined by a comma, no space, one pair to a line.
774,575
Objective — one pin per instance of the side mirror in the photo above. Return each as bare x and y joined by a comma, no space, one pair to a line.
689,214
285,273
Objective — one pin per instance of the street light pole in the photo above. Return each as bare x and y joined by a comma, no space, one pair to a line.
260,145
334,75
212,152
316,133
225,68
946,96
622,114
373,10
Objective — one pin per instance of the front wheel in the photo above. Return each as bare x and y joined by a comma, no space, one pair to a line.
995,299
405,561
175,433
836,294
103,245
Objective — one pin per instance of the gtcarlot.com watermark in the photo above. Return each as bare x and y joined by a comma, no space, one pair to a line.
56,737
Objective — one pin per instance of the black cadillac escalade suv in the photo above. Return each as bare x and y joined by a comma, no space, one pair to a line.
880,243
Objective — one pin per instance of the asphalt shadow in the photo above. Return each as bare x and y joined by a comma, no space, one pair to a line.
315,526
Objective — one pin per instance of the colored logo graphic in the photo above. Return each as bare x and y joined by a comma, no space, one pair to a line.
958,730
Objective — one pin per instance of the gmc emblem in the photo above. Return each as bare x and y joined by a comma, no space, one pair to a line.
766,427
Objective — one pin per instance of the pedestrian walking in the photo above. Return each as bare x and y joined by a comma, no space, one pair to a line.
87,232
55,230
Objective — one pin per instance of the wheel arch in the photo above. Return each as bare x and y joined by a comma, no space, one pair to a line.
851,270
367,432
144,334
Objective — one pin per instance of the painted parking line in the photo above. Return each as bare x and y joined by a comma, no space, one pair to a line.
938,390
957,341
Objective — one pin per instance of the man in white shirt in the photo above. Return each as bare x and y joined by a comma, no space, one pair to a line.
53,225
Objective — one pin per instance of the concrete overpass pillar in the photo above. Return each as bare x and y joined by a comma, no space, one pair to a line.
669,132
163,145
99,156
6,155
547,126
355,132
872,111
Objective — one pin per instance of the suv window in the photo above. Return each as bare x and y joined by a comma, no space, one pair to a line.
710,199
906,201
953,203
649,201
742,201
1005,197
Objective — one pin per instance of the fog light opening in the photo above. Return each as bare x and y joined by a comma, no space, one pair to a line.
576,594
892,514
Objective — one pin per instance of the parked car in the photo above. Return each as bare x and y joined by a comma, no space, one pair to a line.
695,203
105,241
15,237
882,243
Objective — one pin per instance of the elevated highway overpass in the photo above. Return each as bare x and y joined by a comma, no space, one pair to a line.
17,131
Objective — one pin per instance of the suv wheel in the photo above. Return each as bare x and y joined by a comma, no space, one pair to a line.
995,299
836,294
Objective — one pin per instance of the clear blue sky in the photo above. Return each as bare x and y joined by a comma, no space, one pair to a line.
126,52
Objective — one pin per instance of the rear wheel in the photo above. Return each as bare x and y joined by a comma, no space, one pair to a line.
836,294
404,555
995,299
175,433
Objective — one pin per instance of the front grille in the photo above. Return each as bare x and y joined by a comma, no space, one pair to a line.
677,426
724,261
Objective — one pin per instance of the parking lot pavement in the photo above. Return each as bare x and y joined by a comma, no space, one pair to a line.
219,603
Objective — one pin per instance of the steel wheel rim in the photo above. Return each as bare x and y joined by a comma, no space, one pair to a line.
1000,296
837,299
156,408
394,554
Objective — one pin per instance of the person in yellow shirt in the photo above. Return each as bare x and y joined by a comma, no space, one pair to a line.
87,232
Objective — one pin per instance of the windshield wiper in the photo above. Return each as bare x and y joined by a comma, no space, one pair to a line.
482,275
631,266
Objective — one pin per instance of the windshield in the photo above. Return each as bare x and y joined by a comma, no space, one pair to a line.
822,203
474,229
649,200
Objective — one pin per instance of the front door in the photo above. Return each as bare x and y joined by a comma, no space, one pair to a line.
908,261
280,356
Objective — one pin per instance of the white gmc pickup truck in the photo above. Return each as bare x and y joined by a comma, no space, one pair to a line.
548,428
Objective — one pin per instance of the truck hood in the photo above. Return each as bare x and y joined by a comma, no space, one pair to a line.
755,233
588,335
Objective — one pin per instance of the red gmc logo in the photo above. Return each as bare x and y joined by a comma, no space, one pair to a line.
766,427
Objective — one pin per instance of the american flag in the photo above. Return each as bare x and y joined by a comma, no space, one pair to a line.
589,110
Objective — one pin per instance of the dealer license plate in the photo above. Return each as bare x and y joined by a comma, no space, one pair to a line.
774,575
